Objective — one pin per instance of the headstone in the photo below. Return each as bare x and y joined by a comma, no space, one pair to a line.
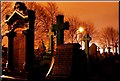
20,37
93,53
51,42
116,49
87,39
41,49
70,61
19,49
109,49
59,28
93,49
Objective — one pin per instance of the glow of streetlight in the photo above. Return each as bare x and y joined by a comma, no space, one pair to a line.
81,29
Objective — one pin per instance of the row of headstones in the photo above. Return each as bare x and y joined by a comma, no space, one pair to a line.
94,50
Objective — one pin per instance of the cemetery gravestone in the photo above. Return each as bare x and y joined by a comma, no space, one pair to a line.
51,42
93,50
20,37
87,39
116,49
93,54
109,49
70,61
59,28
19,52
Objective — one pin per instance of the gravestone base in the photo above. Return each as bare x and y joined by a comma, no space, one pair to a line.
70,62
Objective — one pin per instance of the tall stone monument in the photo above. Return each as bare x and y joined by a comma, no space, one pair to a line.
20,37
70,60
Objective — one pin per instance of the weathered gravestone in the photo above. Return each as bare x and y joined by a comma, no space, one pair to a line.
70,61
20,37
93,54
93,50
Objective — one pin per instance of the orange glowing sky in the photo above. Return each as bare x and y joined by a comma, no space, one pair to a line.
101,14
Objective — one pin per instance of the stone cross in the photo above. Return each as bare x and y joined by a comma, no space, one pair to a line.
59,28
87,39
51,44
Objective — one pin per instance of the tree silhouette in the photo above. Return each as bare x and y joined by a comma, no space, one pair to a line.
108,37
71,34
45,17
74,35
5,9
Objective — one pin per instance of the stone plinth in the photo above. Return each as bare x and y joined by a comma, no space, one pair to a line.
69,61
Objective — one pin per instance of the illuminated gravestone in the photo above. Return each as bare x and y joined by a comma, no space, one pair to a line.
87,39
51,42
20,37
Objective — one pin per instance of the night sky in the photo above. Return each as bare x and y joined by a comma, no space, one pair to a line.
100,13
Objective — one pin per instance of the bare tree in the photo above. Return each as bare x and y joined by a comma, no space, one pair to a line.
52,10
109,37
5,9
48,18
74,35
71,34
45,16
89,28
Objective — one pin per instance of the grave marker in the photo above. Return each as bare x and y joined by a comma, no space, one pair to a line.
59,28
87,39
51,42
20,48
